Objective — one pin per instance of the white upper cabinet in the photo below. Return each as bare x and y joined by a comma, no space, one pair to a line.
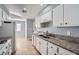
4,15
0,17
46,17
71,15
0,13
66,15
58,16
37,22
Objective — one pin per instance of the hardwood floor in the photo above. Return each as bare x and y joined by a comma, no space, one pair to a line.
24,47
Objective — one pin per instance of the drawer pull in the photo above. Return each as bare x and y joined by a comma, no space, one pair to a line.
6,47
66,23
51,47
57,50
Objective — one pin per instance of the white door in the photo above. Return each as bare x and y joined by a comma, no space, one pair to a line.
20,30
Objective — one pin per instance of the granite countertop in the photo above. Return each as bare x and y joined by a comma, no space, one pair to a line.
66,42
3,40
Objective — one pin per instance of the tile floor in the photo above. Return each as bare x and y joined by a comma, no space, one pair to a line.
24,47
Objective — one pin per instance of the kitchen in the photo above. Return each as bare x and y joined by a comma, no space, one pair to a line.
39,29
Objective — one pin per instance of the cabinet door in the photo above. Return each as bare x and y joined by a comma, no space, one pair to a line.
52,49
4,15
0,13
43,47
46,17
0,17
58,16
37,22
71,14
65,52
49,16
33,40
37,43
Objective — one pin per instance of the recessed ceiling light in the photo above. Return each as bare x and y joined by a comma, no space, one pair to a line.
24,9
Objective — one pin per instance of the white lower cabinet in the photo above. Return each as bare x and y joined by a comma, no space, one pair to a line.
33,40
52,49
37,43
43,47
5,50
47,48
56,50
65,52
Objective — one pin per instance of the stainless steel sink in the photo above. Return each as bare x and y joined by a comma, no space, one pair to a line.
48,36
2,41
44,36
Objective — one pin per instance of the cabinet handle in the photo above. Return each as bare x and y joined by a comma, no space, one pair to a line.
66,23
6,47
51,47
57,50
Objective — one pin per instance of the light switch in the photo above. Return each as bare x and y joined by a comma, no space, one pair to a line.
68,33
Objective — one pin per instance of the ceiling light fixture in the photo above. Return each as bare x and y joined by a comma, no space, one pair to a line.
41,4
24,10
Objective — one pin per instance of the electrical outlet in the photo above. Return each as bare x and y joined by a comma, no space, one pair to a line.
68,33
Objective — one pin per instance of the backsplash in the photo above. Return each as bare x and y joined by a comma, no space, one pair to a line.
62,31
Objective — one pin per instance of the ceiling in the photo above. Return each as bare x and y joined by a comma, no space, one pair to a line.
32,10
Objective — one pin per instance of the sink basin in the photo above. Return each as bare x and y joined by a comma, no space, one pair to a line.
51,35
3,41
44,36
